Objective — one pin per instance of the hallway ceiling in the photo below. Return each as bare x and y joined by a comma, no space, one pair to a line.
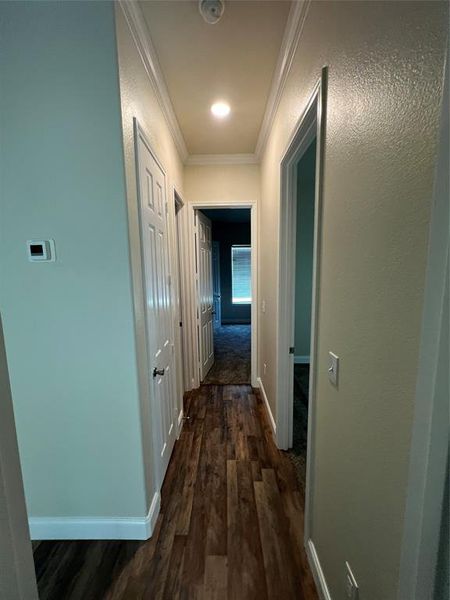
233,60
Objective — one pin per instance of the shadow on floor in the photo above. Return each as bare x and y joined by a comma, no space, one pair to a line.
297,453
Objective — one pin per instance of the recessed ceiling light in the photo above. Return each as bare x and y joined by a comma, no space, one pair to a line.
220,109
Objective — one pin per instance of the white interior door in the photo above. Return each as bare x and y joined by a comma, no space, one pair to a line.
205,293
155,248
217,308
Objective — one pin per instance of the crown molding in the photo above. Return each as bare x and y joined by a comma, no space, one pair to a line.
291,37
221,159
141,35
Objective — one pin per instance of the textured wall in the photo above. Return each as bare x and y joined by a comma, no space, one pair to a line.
222,183
68,324
385,76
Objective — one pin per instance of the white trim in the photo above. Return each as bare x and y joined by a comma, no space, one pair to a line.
180,422
18,578
317,571
177,290
221,159
310,124
96,528
141,35
267,405
189,363
429,442
254,308
301,360
210,204
292,34
193,290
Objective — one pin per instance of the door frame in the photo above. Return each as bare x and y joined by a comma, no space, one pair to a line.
310,124
18,573
429,442
193,206
180,290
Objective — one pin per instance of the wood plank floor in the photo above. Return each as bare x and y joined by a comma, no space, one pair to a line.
231,522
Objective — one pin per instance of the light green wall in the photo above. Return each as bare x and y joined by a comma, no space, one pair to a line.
304,250
69,324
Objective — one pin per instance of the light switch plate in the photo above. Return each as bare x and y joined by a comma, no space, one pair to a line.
333,368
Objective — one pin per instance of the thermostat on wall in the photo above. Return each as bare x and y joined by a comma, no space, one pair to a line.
41,250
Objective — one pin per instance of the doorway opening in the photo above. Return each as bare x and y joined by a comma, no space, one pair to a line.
303,277
225,288
299,282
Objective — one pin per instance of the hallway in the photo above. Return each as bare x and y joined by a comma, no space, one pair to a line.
230,523
232,356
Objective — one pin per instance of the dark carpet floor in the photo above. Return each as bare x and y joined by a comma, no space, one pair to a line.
232,356
297,453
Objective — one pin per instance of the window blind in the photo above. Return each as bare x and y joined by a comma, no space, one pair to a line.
241,274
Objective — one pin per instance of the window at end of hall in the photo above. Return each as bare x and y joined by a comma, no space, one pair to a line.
241,279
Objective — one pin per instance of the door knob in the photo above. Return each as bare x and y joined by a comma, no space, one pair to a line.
158,372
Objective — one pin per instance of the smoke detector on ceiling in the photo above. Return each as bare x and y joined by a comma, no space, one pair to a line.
211,10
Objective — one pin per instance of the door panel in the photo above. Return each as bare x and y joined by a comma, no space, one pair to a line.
217,307
155,240
205,293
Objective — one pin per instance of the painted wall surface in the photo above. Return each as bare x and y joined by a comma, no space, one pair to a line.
229,234
304,250
216,184
18,578
68,324
380,152
138,100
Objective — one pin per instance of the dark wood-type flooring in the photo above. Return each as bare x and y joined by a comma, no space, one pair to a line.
230,527
297,453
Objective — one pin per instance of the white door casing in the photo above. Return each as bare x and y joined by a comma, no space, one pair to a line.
158,301
205,292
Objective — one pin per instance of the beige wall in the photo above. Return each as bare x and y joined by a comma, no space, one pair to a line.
138,100
222,183
385,70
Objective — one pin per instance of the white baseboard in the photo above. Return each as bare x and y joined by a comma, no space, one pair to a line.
301,360
96,528
180,423
266,402
316,568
